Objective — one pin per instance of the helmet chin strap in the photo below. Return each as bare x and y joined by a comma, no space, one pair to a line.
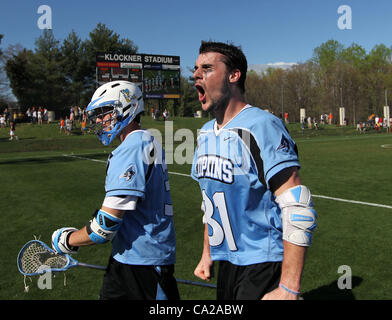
113,122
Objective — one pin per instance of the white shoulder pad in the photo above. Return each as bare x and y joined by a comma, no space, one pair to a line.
295,196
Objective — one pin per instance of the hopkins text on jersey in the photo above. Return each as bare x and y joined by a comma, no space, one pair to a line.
216,168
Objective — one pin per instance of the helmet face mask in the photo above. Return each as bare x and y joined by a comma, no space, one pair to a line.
100,121
113,106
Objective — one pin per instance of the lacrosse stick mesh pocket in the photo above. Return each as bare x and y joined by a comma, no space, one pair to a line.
35,256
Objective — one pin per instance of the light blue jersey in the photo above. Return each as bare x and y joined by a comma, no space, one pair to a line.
137,168
233,166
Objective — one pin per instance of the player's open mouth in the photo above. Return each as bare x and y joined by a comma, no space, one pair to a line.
201,92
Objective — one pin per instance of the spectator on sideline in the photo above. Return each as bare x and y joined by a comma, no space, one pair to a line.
12,131
62,125
68,126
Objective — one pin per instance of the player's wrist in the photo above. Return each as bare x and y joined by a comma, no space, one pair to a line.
71,248
71,240
291,290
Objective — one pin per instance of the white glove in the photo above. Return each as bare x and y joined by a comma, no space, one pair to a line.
60,241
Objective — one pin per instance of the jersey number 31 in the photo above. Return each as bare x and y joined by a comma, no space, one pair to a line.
219,232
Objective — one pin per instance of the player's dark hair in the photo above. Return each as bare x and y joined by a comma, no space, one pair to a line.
234,57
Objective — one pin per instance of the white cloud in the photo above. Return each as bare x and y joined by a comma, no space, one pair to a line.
281,64
261,68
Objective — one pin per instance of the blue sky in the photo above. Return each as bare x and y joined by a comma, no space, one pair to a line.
268,31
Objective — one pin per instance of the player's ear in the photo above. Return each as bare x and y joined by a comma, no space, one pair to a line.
234,75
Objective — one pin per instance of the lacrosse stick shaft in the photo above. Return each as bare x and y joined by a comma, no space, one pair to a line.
196,283
91,266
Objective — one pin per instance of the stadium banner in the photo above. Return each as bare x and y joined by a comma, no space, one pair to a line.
342,116
302,114
158,76
387,116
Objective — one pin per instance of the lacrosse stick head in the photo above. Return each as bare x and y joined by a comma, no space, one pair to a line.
36,258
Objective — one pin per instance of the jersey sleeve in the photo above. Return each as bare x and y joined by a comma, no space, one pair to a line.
127,170
278,150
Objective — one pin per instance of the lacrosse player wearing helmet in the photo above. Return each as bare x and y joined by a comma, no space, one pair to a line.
258,216
136,214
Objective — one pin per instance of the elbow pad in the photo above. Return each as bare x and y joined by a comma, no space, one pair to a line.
298,215
103,227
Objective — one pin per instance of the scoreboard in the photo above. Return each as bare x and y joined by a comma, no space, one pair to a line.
158,76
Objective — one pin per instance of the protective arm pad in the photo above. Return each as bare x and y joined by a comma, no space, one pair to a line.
298,215
103,227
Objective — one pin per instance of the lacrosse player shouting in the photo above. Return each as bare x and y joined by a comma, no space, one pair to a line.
136,214
258,216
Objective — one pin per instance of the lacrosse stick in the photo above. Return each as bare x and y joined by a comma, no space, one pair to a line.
36,258
197,283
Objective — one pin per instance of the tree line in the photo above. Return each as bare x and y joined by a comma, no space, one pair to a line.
61,74
58,74
335,76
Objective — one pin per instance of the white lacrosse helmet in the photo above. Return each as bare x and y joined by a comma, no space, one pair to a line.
123,100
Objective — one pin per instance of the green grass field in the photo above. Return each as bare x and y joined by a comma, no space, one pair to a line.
43,188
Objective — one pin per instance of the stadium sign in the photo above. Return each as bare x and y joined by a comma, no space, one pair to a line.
122,57
158,76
